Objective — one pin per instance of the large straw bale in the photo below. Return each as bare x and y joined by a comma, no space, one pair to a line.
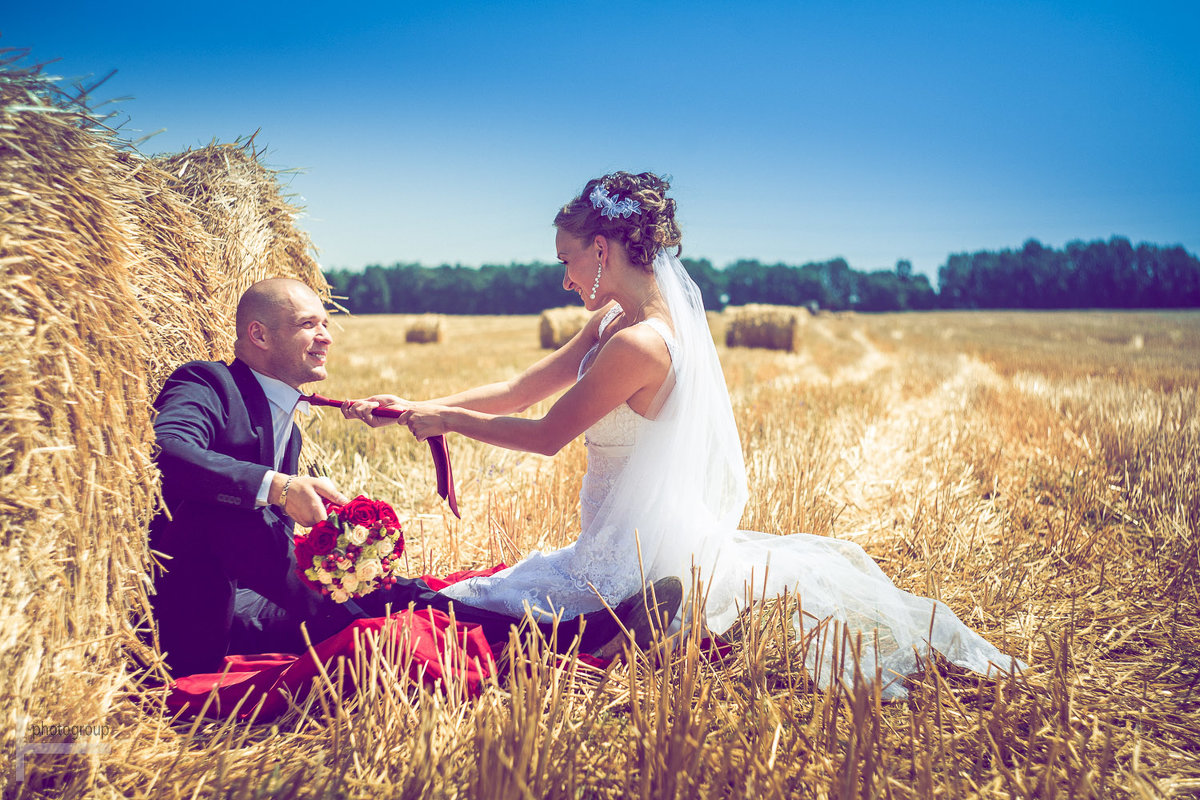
558,325
113,271
766,326
77,486
426,329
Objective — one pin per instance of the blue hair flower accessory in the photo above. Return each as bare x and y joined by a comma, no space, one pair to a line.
613,207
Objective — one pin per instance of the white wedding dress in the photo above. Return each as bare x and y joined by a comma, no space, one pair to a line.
603,562
663,497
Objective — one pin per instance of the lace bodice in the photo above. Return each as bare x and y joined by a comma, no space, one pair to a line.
602,562
610,440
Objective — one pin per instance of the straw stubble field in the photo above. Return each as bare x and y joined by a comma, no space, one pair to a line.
1038,472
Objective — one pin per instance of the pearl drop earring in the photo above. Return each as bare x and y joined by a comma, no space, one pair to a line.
596,285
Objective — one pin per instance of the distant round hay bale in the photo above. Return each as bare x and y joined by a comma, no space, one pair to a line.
426,329
558,325
766,326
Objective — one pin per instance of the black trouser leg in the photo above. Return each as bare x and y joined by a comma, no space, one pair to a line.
260,626
193,604
600,625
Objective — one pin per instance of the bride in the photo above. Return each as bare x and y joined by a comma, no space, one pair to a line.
665,484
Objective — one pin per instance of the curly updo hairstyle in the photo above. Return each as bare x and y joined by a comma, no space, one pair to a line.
641,234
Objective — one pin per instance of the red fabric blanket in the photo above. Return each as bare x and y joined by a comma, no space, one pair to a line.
425,640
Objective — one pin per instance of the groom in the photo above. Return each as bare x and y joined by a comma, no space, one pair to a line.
228,451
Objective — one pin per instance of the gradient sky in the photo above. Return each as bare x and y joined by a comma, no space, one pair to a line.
793,131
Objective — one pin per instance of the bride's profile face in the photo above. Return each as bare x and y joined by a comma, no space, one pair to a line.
579,259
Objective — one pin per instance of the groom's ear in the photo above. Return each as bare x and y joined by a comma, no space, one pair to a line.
256,334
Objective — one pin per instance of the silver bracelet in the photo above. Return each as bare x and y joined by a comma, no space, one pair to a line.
283,495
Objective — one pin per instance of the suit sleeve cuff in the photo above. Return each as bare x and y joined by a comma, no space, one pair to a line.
264,489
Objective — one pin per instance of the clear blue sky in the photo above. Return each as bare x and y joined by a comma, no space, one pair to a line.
794,131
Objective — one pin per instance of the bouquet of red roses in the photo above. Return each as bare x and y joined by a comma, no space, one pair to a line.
353,552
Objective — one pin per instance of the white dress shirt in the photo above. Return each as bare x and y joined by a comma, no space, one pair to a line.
284,402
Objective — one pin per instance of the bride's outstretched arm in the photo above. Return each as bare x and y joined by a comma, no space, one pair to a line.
549,375
634,361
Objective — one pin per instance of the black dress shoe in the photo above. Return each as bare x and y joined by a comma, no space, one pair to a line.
640,615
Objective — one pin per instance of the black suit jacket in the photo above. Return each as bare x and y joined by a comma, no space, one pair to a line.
216,442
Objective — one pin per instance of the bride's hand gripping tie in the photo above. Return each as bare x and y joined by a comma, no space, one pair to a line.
424,420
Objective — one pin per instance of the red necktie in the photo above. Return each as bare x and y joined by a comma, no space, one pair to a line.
437,447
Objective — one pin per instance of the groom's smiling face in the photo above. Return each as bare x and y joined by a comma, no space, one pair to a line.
298,340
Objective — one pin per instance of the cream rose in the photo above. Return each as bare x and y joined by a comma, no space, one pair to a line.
350,582
368,570
357,535
339,596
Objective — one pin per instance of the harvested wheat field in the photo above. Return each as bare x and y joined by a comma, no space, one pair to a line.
1037,472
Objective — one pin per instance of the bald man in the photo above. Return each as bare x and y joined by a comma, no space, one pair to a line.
228,451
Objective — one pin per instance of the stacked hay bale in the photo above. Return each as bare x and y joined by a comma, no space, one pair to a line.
109,278
251,226
771,327
558,325
426,329
210,222
77,486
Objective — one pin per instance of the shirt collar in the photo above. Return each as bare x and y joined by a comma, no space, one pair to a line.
279,394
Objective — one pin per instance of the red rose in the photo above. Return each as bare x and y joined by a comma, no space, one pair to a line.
322,538
304,553
386,514
359,511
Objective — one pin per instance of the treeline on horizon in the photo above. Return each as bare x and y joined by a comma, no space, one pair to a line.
1098,274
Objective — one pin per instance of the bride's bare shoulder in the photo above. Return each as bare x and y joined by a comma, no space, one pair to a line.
643,341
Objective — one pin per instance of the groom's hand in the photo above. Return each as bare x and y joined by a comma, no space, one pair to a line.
303,502
363,409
